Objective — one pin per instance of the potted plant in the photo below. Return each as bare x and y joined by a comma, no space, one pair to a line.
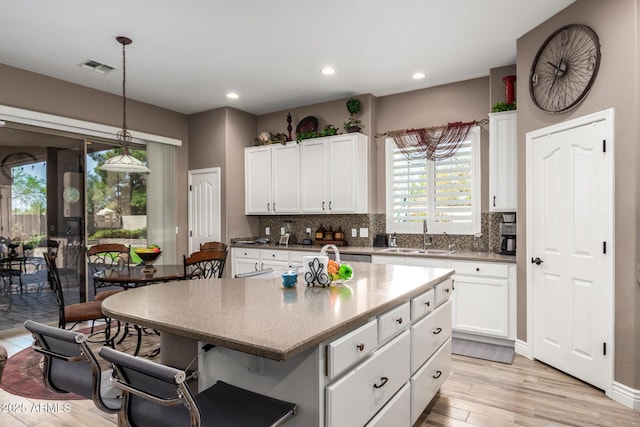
353,107
503,106
329,130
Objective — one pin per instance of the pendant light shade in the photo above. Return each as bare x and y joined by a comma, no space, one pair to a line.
124,162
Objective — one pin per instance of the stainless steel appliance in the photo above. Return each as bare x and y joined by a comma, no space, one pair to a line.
508,234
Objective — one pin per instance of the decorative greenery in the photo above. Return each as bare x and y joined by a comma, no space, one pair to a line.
503,106
267,137
353,107
329,130
306,135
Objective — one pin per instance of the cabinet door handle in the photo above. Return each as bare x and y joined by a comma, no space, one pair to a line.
383,382
437,331
274,207
438,374
427,303
256,266
447,290
322,205
399,320
494,201
360,346
268,207
262,266
329,205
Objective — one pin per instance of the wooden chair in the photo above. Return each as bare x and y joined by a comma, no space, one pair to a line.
157,395
106,256
204,264
76,313
71,367
213,246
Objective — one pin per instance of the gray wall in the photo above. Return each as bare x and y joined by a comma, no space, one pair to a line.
615,22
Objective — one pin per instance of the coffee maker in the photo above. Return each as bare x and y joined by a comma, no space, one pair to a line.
508,234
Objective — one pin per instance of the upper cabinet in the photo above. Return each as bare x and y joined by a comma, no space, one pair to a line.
272,183
333,174
503,162
316,176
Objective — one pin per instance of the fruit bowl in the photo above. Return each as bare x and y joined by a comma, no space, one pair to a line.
148,256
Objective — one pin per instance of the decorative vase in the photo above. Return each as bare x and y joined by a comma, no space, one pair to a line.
509,88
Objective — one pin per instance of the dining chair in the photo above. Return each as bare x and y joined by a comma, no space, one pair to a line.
70,256
209,246
71,367
158,395
204,264
79,312
106,256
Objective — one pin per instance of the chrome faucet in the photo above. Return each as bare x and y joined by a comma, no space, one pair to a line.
449,245
424,235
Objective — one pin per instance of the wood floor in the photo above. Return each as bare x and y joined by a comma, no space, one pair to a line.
477,393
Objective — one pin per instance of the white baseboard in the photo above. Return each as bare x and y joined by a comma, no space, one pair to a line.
522,348
625,395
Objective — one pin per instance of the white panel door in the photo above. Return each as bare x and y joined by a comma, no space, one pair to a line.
204,207
313,176
285,163
568,229
257,173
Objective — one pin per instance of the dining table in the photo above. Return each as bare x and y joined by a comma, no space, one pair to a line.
133,276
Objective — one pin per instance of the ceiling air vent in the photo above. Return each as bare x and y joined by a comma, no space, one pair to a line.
96,66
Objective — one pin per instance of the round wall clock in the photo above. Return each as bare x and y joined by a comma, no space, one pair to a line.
564,68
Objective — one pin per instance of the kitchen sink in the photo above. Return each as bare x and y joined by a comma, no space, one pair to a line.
418,251
400,250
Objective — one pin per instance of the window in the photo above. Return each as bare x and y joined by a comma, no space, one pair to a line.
444,192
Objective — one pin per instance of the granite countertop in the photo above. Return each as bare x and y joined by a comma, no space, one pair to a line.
260,317
368,250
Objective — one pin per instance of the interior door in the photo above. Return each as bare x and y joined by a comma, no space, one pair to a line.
204,207
570,250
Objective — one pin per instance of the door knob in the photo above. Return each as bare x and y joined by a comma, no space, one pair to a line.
536,261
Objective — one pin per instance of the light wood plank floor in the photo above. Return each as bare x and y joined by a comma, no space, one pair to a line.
477,393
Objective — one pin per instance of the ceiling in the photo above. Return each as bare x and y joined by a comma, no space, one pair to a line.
187,55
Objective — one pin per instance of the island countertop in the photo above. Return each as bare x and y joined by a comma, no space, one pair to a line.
260,317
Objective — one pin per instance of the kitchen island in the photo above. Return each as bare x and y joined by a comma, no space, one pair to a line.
305,344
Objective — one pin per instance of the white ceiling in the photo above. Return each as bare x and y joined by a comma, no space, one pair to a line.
186,55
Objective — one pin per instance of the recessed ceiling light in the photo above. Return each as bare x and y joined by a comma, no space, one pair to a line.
418,76
327,71
233,95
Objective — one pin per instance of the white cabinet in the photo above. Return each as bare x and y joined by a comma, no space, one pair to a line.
334,174
484,299
503,161
272,184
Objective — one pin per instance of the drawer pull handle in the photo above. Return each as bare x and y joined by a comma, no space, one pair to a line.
360,346
427,303
273,255
437,331
384,381
477,268
438,374
399,320
447,290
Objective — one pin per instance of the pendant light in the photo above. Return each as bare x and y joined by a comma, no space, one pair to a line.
124,162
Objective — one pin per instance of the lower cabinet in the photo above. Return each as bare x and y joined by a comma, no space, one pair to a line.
393,383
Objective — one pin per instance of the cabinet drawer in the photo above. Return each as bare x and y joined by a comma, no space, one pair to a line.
296,257
422,304
273,255
246,253
356,397
396,412
492,269
428,380
352,347
443,291
393,321
428,334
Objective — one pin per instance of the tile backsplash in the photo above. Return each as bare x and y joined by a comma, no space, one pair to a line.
296,226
